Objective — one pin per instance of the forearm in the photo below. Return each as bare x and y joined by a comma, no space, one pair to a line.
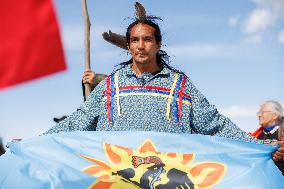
78,121
207,120
226,128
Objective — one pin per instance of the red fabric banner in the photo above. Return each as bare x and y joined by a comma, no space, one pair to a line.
30,44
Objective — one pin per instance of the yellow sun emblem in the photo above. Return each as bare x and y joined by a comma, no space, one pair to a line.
148,168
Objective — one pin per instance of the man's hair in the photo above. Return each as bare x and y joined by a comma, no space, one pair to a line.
157,33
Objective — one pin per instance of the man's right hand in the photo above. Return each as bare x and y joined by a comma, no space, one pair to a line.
89,77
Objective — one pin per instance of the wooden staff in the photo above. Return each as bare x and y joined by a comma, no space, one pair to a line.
87,26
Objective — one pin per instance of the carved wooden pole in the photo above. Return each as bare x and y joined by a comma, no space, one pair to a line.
87,26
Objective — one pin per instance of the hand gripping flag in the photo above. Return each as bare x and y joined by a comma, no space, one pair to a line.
30,45
120,160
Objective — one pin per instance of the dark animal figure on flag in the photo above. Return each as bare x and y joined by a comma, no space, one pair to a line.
152,175
177,179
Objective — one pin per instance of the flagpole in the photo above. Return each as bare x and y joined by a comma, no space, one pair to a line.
87,26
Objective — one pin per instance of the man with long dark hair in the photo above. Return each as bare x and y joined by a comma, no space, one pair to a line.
147,94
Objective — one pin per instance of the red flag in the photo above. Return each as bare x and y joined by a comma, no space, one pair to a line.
30,44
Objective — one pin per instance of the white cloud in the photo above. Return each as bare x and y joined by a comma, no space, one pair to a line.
281,36
265,15
237,111
73,37
201,50
233,21
255,39
276,6
258,20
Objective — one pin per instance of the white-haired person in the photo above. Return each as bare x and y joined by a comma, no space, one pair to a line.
271,122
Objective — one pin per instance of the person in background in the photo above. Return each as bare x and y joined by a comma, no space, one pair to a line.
271,121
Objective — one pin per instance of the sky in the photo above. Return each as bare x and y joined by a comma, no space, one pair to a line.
232,51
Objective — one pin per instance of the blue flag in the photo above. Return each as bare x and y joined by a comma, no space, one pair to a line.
119,160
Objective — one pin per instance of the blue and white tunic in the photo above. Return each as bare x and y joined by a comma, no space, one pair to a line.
166,101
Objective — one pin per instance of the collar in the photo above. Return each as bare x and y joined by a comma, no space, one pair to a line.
164,71
271,129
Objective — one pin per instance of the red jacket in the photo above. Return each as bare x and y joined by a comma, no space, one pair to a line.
258,132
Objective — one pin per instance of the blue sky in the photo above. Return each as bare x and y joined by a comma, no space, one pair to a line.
232,50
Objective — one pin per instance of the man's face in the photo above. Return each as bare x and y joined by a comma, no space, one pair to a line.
266,116
143,45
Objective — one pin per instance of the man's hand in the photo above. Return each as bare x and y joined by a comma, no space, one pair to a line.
89,77
279,153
